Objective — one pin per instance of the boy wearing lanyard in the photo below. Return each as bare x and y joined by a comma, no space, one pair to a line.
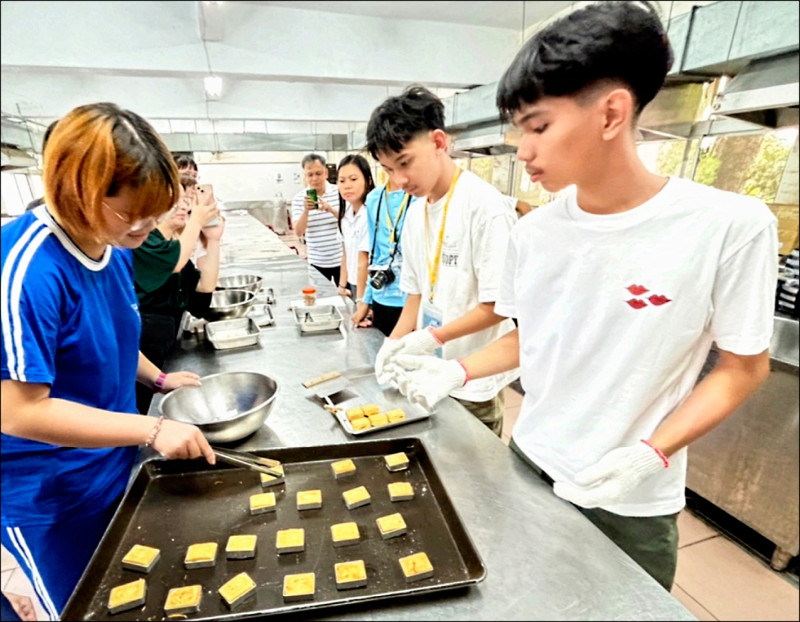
454,241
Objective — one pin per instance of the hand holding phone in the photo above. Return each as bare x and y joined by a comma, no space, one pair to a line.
311,194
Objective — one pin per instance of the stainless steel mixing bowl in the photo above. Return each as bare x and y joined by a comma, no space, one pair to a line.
249,282
227,304
227,407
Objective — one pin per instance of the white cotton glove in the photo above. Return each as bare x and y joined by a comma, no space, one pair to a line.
613,477
389,347
420,342
426,380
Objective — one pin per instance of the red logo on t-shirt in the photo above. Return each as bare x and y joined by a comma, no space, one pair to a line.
638,303
658,300
637,290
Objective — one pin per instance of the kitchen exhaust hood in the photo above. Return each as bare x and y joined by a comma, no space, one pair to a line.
764,92
496,139
13,158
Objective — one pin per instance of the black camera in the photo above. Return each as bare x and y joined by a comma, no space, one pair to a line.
380,276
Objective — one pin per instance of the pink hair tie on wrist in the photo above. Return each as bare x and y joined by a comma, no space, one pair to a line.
159,383
659,452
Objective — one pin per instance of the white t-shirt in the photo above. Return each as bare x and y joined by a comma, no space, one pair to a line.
354,230
616,317
323,240
475,240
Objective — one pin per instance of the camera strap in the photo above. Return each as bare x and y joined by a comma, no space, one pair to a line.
394,234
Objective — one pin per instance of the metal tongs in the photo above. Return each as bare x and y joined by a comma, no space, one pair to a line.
250,461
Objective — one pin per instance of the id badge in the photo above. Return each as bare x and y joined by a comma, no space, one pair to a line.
432,316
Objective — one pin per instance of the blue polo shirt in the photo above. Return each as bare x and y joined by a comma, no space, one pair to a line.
70,322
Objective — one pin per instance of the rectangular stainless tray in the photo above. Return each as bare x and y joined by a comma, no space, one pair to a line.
236,333
317,318
262,314
174,503
413,413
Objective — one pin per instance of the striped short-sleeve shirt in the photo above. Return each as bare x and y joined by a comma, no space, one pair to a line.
323,240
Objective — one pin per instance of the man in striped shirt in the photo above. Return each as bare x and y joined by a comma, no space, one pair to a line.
318,221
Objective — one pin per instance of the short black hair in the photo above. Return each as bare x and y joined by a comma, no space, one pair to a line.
399,119
369,184
621,42
186,161
313,157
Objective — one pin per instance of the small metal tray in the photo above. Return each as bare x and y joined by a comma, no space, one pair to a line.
262,314
236,333
413,413
172,504
317,318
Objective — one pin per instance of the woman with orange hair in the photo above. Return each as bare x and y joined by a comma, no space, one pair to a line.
70,336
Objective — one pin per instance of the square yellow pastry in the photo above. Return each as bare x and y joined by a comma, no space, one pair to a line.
356,497
127,596
298,586
395,415
241,547
262,502
141,558
360,423
378,420
400,491
309,499
184,599
391,525
237,589
396,462
371,409
343,468
416,567
201,555
354,413
290,540
271,480
350,574
345,533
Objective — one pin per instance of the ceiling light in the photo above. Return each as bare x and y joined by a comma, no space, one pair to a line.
213,86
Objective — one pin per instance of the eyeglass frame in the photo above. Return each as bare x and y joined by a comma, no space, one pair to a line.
136,225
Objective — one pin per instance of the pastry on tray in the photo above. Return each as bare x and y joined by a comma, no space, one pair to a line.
395,415
262,502
343,468
345,533
127,596
356,497
396,462
354,413
201,555
400,491
378,419
350,574
391,525
241,547
309,499
298,586
371,409
416,567
141,558
184,599
360,423
290,540
271,480
237,589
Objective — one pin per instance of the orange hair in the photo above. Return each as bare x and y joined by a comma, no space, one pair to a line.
94,152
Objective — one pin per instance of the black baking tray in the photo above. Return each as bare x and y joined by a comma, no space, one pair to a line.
172,504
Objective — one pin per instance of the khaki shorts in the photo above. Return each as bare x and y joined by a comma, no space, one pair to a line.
489,412
651,541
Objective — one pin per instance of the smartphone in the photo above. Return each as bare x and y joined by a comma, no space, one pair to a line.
205,195
311,193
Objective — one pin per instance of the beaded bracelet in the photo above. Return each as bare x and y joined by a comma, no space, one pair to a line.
159,383
154,432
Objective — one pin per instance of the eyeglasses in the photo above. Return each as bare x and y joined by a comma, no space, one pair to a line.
136,225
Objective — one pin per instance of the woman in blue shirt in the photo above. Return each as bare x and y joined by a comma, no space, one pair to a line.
70,337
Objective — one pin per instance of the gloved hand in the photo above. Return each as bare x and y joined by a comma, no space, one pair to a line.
389,347
613,477
420,342
426,380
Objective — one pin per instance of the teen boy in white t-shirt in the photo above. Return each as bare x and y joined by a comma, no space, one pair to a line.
454,241
619,286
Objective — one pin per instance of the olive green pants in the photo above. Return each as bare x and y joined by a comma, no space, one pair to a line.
651,541
489,412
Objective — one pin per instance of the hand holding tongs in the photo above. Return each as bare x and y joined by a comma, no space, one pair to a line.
251,461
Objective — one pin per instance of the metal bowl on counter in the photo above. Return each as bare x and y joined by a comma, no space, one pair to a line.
227,304
227,407
249,282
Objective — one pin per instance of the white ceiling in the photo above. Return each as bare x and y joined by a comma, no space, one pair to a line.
287,67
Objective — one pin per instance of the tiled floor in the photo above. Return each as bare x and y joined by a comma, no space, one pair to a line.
717,578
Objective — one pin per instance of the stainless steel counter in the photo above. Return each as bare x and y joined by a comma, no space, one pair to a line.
544,559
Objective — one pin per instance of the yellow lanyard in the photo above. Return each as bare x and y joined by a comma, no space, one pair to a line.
433,270
390,226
